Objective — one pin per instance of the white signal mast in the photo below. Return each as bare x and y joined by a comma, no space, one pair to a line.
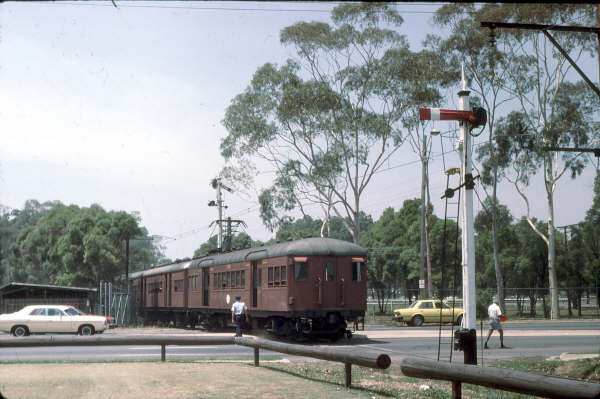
468,119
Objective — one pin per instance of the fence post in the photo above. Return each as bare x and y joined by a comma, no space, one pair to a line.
256,356
348,367
163,352
456,390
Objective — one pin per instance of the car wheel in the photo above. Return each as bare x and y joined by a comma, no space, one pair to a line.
417,321
20,331
459,320
86,330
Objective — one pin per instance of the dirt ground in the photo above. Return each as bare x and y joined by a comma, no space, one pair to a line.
161,380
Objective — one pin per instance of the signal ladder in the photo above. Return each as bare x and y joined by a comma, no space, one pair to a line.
455,206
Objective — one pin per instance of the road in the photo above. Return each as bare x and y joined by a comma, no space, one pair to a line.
545,339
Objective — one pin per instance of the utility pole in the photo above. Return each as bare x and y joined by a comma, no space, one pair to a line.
218,185
466,338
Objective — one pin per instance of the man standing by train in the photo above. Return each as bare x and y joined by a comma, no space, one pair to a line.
239,313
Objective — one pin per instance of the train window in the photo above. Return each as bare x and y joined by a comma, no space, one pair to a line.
356,271
277,276
243,279
215,281
178,285
329,272
300,271
238,279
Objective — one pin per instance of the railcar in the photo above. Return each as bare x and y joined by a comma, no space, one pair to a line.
305,288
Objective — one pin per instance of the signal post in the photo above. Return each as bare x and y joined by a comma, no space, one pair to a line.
465,338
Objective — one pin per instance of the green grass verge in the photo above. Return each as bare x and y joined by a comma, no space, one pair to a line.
391,382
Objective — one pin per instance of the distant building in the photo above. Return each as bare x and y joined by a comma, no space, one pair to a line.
15,296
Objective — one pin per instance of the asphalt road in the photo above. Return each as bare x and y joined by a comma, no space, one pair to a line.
544,339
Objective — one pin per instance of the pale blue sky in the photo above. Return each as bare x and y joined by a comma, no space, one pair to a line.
123,107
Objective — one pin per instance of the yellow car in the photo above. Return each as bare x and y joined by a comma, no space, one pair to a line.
428,311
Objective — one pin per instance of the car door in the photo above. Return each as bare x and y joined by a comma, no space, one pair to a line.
446,312
35,320
428,311
56,321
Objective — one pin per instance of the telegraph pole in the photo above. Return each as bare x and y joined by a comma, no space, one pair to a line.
218,185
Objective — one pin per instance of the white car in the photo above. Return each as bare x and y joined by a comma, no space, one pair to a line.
51,318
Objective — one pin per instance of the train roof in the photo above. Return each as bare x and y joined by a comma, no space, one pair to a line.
304,247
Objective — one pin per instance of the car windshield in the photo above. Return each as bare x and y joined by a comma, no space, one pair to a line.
74,312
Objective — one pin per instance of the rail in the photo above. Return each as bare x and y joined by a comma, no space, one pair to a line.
361,358
499,378
457,374
358,357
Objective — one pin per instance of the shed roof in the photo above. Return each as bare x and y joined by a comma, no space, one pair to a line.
15,287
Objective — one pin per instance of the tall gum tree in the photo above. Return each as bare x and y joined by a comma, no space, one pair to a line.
486,68
556,111
327,120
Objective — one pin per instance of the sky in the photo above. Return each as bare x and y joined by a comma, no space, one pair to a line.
122,107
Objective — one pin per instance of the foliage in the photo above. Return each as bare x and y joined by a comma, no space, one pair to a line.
309,227
393,245
68,245
328,120
239,241
11,224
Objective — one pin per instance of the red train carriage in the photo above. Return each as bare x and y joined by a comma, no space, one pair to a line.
309,287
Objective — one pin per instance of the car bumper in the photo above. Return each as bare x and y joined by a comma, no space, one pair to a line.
398,317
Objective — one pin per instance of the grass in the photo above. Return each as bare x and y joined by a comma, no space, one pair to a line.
391,382
191,378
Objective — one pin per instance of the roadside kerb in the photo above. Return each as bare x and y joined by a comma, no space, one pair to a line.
107,340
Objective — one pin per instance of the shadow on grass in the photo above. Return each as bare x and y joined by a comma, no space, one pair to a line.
381,392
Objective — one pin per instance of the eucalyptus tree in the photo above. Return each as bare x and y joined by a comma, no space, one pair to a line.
484,243
591,238
424,92
486,68
74,246
556,111
325,121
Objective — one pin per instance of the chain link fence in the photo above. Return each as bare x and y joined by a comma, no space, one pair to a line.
519,303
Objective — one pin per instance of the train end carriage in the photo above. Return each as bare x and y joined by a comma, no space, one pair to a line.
305,288
308,287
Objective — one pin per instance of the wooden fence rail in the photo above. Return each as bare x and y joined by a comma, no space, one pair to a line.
497,378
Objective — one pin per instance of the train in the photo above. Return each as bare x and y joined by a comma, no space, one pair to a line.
307,288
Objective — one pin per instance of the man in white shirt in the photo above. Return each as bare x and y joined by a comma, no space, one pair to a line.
239,313
494,312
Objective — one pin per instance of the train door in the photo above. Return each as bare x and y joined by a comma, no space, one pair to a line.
255,284
205,286
154,291
330,281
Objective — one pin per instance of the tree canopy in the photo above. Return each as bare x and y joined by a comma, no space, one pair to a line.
69,245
